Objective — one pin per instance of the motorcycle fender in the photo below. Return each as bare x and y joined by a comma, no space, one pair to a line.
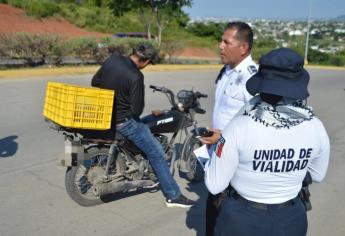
74,154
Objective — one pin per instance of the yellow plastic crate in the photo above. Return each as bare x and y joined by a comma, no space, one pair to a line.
78,107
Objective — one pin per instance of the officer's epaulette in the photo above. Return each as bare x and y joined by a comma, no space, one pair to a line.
252,69
219,76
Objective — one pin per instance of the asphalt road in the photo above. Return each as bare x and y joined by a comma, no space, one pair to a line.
33,200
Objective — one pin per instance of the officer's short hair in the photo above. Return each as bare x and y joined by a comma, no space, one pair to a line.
244,32
145,51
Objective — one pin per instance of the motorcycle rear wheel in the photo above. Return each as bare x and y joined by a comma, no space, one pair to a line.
77,182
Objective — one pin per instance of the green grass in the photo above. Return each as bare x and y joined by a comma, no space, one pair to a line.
190,40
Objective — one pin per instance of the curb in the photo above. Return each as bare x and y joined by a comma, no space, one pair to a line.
324,67
55,71
41,72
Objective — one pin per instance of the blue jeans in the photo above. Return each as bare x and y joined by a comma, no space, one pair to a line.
238,218
142,137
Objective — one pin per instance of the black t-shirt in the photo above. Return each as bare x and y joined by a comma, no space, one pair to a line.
121,74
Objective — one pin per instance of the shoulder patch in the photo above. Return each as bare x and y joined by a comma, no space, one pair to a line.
220,145
252,69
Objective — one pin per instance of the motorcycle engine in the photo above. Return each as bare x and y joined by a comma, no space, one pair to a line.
163,140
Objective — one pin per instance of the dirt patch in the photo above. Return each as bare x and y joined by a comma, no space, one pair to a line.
197,53
15,20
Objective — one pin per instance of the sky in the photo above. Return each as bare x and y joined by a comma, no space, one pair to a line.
266,9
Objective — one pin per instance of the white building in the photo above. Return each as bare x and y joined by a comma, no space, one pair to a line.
295,33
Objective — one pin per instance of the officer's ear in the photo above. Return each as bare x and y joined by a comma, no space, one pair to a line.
244,47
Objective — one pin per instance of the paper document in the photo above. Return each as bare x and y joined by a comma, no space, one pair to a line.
202,155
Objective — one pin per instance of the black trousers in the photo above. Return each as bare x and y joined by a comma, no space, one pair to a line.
238,217
213,206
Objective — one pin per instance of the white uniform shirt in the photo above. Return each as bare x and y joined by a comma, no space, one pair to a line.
231,93
265,164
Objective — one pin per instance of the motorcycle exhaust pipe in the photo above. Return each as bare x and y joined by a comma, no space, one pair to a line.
123,186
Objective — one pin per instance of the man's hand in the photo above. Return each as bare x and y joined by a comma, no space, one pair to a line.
212,139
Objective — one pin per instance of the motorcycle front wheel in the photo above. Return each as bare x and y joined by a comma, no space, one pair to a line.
195,171
79,179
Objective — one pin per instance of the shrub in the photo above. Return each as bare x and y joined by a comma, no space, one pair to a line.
23,46
37,8
257,52
37,49
122,46
17,3
55,49
125,45
337,60
85,49
112,47
170,47
34,49
100,19
210,29
41,8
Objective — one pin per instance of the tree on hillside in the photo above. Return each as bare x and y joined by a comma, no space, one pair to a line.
119,7
157,12
209,29
164,10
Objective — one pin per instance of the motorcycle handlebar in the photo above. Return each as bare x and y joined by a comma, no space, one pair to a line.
200,95
171,95
167,91
155,88
199,110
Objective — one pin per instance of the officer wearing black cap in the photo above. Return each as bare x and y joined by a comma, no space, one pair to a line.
266,150
123,75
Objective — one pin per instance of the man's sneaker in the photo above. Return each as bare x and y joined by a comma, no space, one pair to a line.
181,202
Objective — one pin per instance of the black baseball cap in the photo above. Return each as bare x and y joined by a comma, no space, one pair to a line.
146,51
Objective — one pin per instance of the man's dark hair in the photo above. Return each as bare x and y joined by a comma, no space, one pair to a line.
244,32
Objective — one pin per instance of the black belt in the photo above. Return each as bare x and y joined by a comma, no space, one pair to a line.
120,123
261,206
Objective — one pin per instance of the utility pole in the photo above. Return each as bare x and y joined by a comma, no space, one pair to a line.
307,39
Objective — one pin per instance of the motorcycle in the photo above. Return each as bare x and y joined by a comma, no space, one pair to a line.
99,164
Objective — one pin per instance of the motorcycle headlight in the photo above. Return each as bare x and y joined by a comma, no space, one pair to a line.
186,97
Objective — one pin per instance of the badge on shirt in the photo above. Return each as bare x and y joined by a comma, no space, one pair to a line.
220,145
252,69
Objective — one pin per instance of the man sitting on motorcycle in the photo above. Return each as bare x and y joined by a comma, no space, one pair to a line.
123,75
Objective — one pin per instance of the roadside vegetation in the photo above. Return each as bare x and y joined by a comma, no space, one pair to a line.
54,50
163,22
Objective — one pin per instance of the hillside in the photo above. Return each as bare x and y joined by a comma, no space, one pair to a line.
340,18
15,20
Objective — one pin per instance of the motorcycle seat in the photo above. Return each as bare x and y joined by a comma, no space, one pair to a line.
107,136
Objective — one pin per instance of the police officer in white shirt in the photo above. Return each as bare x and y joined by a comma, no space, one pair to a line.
231,93
266,150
